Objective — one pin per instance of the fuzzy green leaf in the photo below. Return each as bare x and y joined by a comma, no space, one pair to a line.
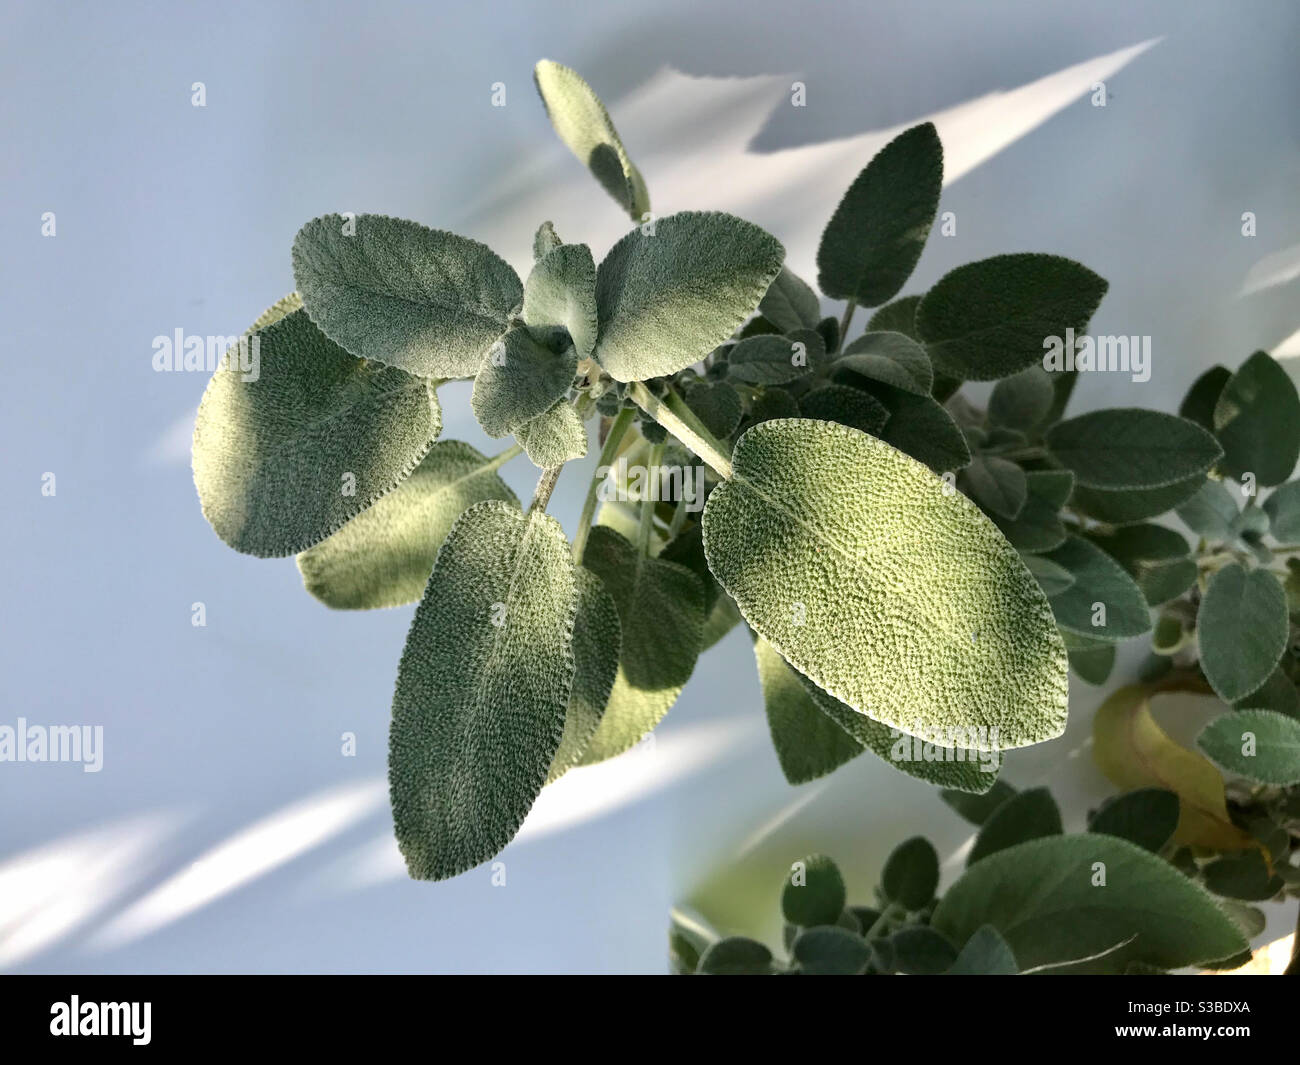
1022,400
1260,745
1241,630
1052,578
769,359
1038,526
790,303
1146,817
1155,557
988,319
1045,899
1242,876
561,292
890,358
986,953
668,298
911,874
1283,510
814,892
1211,512
896,317
978,808
545,240
872,242
1278,693
555,437
1092,660
916,950
847,406
1126,506
1027,815
584,125
283,461
718,406
997,485
1104,603
661,611
400,293
482,688
1198,405
1257,420
736,956
863,568
1129,448
520,379
384,555
920,427
826,951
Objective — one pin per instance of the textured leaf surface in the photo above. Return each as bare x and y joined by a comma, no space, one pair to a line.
1022,400
847,406
768,359
996,484
790,303
890,358
814,892
1259,745
1126,506
400,293
1241,630
668,299
873,240
1043,899
1135,752
520,380
272,455
1029,814
1038,526
986,953
554,438
661,613
988,319
584,125
1198,405
482,689
920,427
1155,557
383,556
911,874
1257,420
895,596
1127,448
1283,510
561,291
896,317
1104,603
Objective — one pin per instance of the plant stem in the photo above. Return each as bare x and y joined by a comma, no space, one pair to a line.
501,458
892,911
679,518
545,486
617,430
676,417
849,308
646,527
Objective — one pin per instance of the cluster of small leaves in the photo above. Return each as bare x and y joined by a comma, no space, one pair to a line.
902,560
1031,899
1228,626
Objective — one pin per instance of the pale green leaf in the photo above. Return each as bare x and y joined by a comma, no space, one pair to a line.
561,292
1241,630
554,437
1260,745
521,378
545,240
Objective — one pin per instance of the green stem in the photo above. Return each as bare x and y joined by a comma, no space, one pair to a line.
844,322
617,430
545,486
891,912
679,519
676,417
497,461
646,527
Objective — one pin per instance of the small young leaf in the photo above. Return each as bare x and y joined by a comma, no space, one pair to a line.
554,437
1257,420
846,406
584,125
1126,506
997,485
978,808
896,317
1198,405
860,565
520,379
813,893
275,452
1128,448
736,956
1091,660
986,953
1022,400
384,555
915,951
1243,876
668,297
1260,745
769,359
890,358
1103,603
482,688
1241,630
873,240
561,291
1026,815
789,303
1147,817
1030,892
545,240
828,951
400,293
988,319
911,874
1038,527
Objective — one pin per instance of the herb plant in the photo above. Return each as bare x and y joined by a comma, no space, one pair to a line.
914,571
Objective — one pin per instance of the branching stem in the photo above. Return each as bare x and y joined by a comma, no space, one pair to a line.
613,439
673,414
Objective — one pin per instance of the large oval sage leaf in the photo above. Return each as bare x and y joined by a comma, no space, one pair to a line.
584,125
668,295
482,689
1064,898
661,611
383,556
275,452
401,293
989,319
1257,420
890,591
1241,630
873,240
1128,448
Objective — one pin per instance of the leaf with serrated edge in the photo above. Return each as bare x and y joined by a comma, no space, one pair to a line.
271,459
400,293
555,437
482,689
891,592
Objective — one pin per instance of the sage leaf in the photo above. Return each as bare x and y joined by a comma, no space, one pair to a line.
397,292
1257,420
890,358
989,319
383,556
554,437
847,406
1260,745
1242,876
1126,506
736,956
911,874
1241,630
1104,603
275,454
790,303
482,688
561,292
872,242
545,240
1038,526
896,317
1277,693
1155,557
1092,660
862,567
1147,817
597,640
1052,578
978,808
1025,890
1127,448
769,359
1022,400
661,612
1027,815
1283,510
718,406
520,379
1198,405
808,743
827,951
986,953
582,122
814,892
996,484
921,428
916,950
668,296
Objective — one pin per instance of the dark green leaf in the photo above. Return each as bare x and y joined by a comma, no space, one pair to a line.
717,405
1022,400
890,358
845,405
789,303
1103,603
813,893
770,359
1051,578
1242,876
1026,815
1211,512
1277,693
911,874
1091,660
1241,630
996,484
1038,526
1283,510
1128,448
978,808
986,953
1257,420
827,951
915,951
920,427
1198,405
896,317
1147,817
1126,506
1153,556
736,956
